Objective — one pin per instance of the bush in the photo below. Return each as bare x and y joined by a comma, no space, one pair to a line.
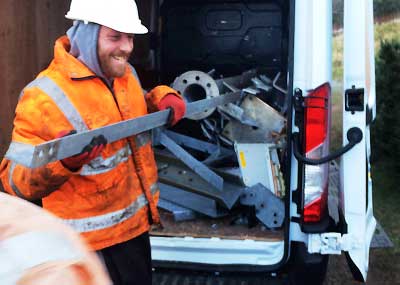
386,128
382,9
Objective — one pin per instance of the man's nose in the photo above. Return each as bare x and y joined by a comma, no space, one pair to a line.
126,44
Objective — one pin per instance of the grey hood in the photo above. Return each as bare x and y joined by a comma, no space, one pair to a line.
83,38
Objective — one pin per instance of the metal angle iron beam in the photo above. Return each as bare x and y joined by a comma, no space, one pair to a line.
191,201
203,171
176,173
203,146
215,152
57,149
180,213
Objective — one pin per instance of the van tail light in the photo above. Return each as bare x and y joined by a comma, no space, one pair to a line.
317,116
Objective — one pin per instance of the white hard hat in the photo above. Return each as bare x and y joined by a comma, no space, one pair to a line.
119,15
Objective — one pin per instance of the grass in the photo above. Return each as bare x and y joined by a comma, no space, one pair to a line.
386,31
337,58
387,200
383,31
336,123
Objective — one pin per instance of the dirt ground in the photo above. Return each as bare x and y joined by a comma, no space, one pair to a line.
384,268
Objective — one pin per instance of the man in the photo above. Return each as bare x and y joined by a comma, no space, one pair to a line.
36,249
109,192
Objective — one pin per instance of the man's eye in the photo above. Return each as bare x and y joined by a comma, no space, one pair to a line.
115,38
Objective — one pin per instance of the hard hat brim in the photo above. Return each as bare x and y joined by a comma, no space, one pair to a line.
138,28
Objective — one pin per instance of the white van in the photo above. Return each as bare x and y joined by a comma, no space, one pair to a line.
289,43
244,187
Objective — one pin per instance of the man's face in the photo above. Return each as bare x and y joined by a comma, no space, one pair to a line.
114,49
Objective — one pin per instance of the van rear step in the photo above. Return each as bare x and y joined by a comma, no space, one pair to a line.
167,277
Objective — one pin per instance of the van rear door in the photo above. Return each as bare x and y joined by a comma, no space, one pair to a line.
358,111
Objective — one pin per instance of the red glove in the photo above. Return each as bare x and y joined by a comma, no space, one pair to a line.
88,153
176,105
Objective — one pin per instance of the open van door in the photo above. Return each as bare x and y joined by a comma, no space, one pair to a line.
358,112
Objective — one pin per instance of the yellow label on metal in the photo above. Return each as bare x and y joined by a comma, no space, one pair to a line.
242,159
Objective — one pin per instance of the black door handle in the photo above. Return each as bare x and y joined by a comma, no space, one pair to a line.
354,136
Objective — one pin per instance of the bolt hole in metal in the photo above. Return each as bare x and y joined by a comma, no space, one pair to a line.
194,92
195,86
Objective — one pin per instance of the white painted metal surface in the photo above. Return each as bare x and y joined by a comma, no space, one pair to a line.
332,243
355,190
312,66
255,161
216,251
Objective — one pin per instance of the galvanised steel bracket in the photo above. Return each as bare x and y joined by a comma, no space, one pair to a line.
191,201
270,210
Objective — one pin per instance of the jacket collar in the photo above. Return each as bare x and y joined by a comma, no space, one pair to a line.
71,66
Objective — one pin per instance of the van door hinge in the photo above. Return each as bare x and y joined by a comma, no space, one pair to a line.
332,243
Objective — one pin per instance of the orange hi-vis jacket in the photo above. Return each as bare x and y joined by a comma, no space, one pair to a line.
113,198
37,249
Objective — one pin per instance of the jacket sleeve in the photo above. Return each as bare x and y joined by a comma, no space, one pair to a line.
154,97
37,120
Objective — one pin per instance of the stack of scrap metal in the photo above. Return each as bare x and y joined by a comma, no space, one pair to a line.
208,174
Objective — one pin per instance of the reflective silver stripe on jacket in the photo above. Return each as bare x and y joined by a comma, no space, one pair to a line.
11,182
24,251
100,165
142,139
31,84
154,188
111,219
62,101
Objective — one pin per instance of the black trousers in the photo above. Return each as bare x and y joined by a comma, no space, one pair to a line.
129,263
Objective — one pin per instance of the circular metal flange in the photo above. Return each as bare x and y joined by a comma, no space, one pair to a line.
196,85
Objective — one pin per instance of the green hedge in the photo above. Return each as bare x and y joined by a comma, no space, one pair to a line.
386,129
382,8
